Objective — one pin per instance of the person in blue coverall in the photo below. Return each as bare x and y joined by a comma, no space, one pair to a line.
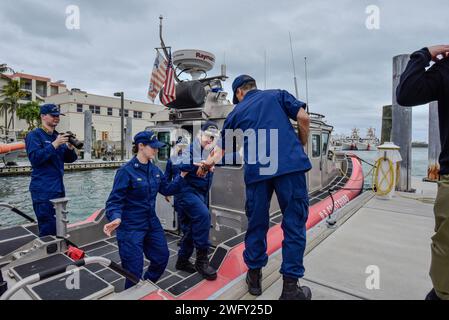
131,209
47,151
171,171
271,110
193,203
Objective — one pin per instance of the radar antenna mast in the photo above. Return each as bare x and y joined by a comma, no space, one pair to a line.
164,47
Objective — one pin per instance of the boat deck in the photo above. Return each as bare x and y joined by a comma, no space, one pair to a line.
174,281
388,237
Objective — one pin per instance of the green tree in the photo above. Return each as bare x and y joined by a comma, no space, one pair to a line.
10,95
30,113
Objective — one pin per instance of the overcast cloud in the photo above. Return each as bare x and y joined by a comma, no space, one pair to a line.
349,66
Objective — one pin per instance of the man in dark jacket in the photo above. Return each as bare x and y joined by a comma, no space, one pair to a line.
420,86
47,151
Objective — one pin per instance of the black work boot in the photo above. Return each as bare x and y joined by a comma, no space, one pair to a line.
203,267
185,265
432,295
254,281
292,291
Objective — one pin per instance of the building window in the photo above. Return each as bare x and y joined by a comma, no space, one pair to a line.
94,109
79,107
109,111
138,114
53,90
126,113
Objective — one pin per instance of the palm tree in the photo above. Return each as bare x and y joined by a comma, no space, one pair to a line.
30,113
11,94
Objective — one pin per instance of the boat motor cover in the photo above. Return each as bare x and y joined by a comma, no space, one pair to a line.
189,94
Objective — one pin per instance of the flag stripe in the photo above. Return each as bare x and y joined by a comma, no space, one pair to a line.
169,92
158,76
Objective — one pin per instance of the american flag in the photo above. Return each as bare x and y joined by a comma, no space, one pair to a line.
169,93
158,76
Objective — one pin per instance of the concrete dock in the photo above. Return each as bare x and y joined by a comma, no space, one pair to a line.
380,249
381,252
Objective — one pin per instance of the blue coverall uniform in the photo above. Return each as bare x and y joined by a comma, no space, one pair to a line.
47,175
193,203
133,200
272,109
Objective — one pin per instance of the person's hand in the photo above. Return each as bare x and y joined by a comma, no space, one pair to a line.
436,51
111,226
70,146
183,174
203,168
60,140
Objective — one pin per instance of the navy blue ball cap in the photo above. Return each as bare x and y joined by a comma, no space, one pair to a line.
210,128
148,138
238,82
50,108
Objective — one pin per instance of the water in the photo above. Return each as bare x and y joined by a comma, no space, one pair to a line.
88,190
419,165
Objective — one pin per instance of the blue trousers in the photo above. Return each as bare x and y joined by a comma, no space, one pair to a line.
291,191
134,244
45,212
194,220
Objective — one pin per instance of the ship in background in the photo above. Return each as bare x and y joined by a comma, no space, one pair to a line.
356,142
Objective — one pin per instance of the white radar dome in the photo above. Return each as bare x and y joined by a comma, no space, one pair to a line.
193,61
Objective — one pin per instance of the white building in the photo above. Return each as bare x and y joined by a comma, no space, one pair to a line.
38,89
105,114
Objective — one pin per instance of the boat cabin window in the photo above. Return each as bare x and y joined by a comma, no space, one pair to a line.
164,153
316,145
325,139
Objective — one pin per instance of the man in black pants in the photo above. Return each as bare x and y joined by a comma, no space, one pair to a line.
418,86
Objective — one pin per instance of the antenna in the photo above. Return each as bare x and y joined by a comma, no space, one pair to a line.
293,63
164,47
307,89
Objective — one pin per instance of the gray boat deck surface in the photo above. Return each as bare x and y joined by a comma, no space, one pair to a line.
391,235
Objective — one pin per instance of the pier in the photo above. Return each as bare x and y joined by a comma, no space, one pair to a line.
380,249
25,169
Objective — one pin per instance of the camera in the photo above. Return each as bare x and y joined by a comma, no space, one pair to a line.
73,140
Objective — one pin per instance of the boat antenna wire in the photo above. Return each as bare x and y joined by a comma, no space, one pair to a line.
293,65
307,88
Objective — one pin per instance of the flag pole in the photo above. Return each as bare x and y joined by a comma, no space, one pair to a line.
163,46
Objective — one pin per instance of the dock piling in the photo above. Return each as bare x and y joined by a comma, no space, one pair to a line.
401,133
434,143
87,135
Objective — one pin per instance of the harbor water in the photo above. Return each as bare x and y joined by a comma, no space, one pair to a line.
88,190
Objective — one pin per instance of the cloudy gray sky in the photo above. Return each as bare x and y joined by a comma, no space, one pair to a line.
349,66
